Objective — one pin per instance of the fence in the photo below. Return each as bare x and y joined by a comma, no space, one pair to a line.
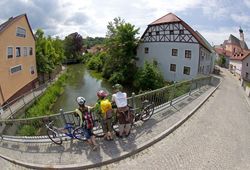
160,97
15,105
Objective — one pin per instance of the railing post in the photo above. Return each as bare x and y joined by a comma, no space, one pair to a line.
63,117
173,94
133,100
9,108
23,101
190,90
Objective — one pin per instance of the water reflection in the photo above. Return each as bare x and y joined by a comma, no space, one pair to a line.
80,83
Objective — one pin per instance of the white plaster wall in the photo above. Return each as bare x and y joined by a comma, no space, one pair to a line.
246,68
237,64
162,53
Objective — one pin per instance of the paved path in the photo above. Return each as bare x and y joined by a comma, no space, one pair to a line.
217,136
78,154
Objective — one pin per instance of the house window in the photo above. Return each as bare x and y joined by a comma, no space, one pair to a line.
174,52
247,64
149,33
146,50
10,52
246,75
157,32
15,69
20,32
187,54
181,32
18,51
30,51
25,51
186,70
173,67
171,32
32,70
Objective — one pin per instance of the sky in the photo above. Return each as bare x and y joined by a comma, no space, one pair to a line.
214,19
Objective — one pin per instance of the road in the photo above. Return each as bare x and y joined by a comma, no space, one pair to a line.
217,136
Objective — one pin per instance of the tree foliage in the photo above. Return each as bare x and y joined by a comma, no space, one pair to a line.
149,77
49,52
89,42
73,45
121,42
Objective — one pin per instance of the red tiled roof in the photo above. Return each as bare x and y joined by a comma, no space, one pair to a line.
240,56
172,18
223,52
11,20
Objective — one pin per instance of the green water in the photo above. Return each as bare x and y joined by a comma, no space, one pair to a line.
81,82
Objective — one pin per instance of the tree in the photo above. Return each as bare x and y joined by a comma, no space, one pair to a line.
221,61
121,43
73,45
49,53
149,77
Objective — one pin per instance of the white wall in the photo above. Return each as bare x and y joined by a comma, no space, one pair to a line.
246,67
237,64
162,53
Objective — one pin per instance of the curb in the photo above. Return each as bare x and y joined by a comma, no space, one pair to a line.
123,155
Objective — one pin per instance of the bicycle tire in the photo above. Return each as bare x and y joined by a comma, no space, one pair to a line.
147,112
79,134
54,136
97,129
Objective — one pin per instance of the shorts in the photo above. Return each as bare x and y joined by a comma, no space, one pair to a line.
124,127
106,125
88,133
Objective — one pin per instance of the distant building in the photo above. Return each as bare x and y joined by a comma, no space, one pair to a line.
237,52
179,51
17,58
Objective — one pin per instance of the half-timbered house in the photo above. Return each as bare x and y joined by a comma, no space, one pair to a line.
179,51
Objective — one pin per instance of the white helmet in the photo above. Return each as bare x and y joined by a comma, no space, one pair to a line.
80,100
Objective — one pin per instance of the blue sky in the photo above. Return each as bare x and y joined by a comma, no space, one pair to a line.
214,19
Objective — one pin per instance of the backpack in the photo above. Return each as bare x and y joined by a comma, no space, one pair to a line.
106,108
86,117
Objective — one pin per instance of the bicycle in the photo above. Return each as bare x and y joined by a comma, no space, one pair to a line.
145,112
56,134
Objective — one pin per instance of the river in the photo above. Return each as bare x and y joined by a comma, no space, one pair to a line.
81,82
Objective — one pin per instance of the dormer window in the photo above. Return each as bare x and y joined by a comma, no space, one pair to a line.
20,32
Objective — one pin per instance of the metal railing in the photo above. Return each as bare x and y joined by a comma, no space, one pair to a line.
160,97
10,108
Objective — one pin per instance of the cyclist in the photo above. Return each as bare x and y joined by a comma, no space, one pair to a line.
120,99
86,121
103,108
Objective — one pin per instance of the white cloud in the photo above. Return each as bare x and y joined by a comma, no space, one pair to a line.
241,18
247,2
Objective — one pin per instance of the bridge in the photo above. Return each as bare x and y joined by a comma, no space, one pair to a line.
172,108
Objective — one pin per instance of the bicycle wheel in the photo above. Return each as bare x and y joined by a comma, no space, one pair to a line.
54,136
79,134
97,130
147,112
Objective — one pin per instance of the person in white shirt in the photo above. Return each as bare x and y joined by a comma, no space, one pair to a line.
120,99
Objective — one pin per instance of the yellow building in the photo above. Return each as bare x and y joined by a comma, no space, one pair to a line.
17,58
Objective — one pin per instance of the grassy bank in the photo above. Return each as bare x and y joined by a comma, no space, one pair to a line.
43,106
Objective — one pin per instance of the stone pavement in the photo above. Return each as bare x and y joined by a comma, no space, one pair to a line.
76,154
217,136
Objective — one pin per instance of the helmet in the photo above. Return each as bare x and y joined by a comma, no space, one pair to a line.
117,87
102,93
80,100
